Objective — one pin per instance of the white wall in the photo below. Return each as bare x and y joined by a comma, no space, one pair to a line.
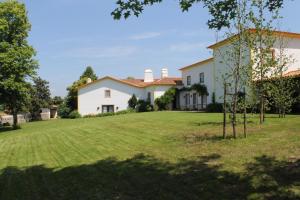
156,92
291,48
92,97
194,72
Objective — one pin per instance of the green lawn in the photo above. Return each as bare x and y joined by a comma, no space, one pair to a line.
159,155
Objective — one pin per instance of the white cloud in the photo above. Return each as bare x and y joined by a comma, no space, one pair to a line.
185,47
104,52
144,36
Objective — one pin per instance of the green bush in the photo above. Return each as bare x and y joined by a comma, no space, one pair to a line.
132,102
74,115
63,110
123,112
143,106
214,108
165,100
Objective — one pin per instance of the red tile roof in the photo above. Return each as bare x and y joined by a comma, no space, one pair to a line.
295,73
172,81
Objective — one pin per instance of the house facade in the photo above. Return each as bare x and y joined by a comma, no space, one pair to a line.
110,94
211,72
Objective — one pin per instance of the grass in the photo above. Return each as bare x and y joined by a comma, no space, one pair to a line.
159,155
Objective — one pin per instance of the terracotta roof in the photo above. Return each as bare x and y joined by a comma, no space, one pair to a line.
197,63
276,33
295,73
140,82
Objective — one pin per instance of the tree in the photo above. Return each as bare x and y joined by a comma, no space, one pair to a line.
132,102
40,96
262,41
71,99
282,89
221,11
164,102
17,65
57,100
89,73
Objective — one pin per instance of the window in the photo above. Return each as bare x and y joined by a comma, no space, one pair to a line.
201,77
107,93
188,80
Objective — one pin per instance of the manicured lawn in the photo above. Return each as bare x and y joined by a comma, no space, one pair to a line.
164,155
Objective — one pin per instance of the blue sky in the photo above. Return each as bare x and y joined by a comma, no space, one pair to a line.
72,34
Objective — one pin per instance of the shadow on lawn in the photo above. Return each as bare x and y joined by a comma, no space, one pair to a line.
144,177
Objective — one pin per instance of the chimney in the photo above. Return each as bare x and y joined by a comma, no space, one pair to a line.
164,73
148,76
89,80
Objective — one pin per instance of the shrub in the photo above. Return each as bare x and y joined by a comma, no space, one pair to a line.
163,103
143,106
132,102
74,115
214,108
63,110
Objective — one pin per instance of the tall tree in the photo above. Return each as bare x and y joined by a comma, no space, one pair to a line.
40,96
89,73
17,64
71,99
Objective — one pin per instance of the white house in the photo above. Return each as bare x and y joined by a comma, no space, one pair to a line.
110,94
210,71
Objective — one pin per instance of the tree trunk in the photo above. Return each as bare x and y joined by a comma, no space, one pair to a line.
15,119
245,115
224,114
261,115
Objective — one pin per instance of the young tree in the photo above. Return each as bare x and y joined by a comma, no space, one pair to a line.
40,96
282,89
17,64
132,102
262,43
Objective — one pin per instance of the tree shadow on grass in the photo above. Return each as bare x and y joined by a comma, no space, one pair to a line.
8,128
145,177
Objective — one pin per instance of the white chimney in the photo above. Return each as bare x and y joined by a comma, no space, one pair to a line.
164,73
89,80
148,76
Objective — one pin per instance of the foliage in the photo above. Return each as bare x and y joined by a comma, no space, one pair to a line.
57,100
74,115
214,107
221,11
63,110
283,94
200,89
123,112
132,102
17,65
144,106
163,102
71,99
40,96
89,73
